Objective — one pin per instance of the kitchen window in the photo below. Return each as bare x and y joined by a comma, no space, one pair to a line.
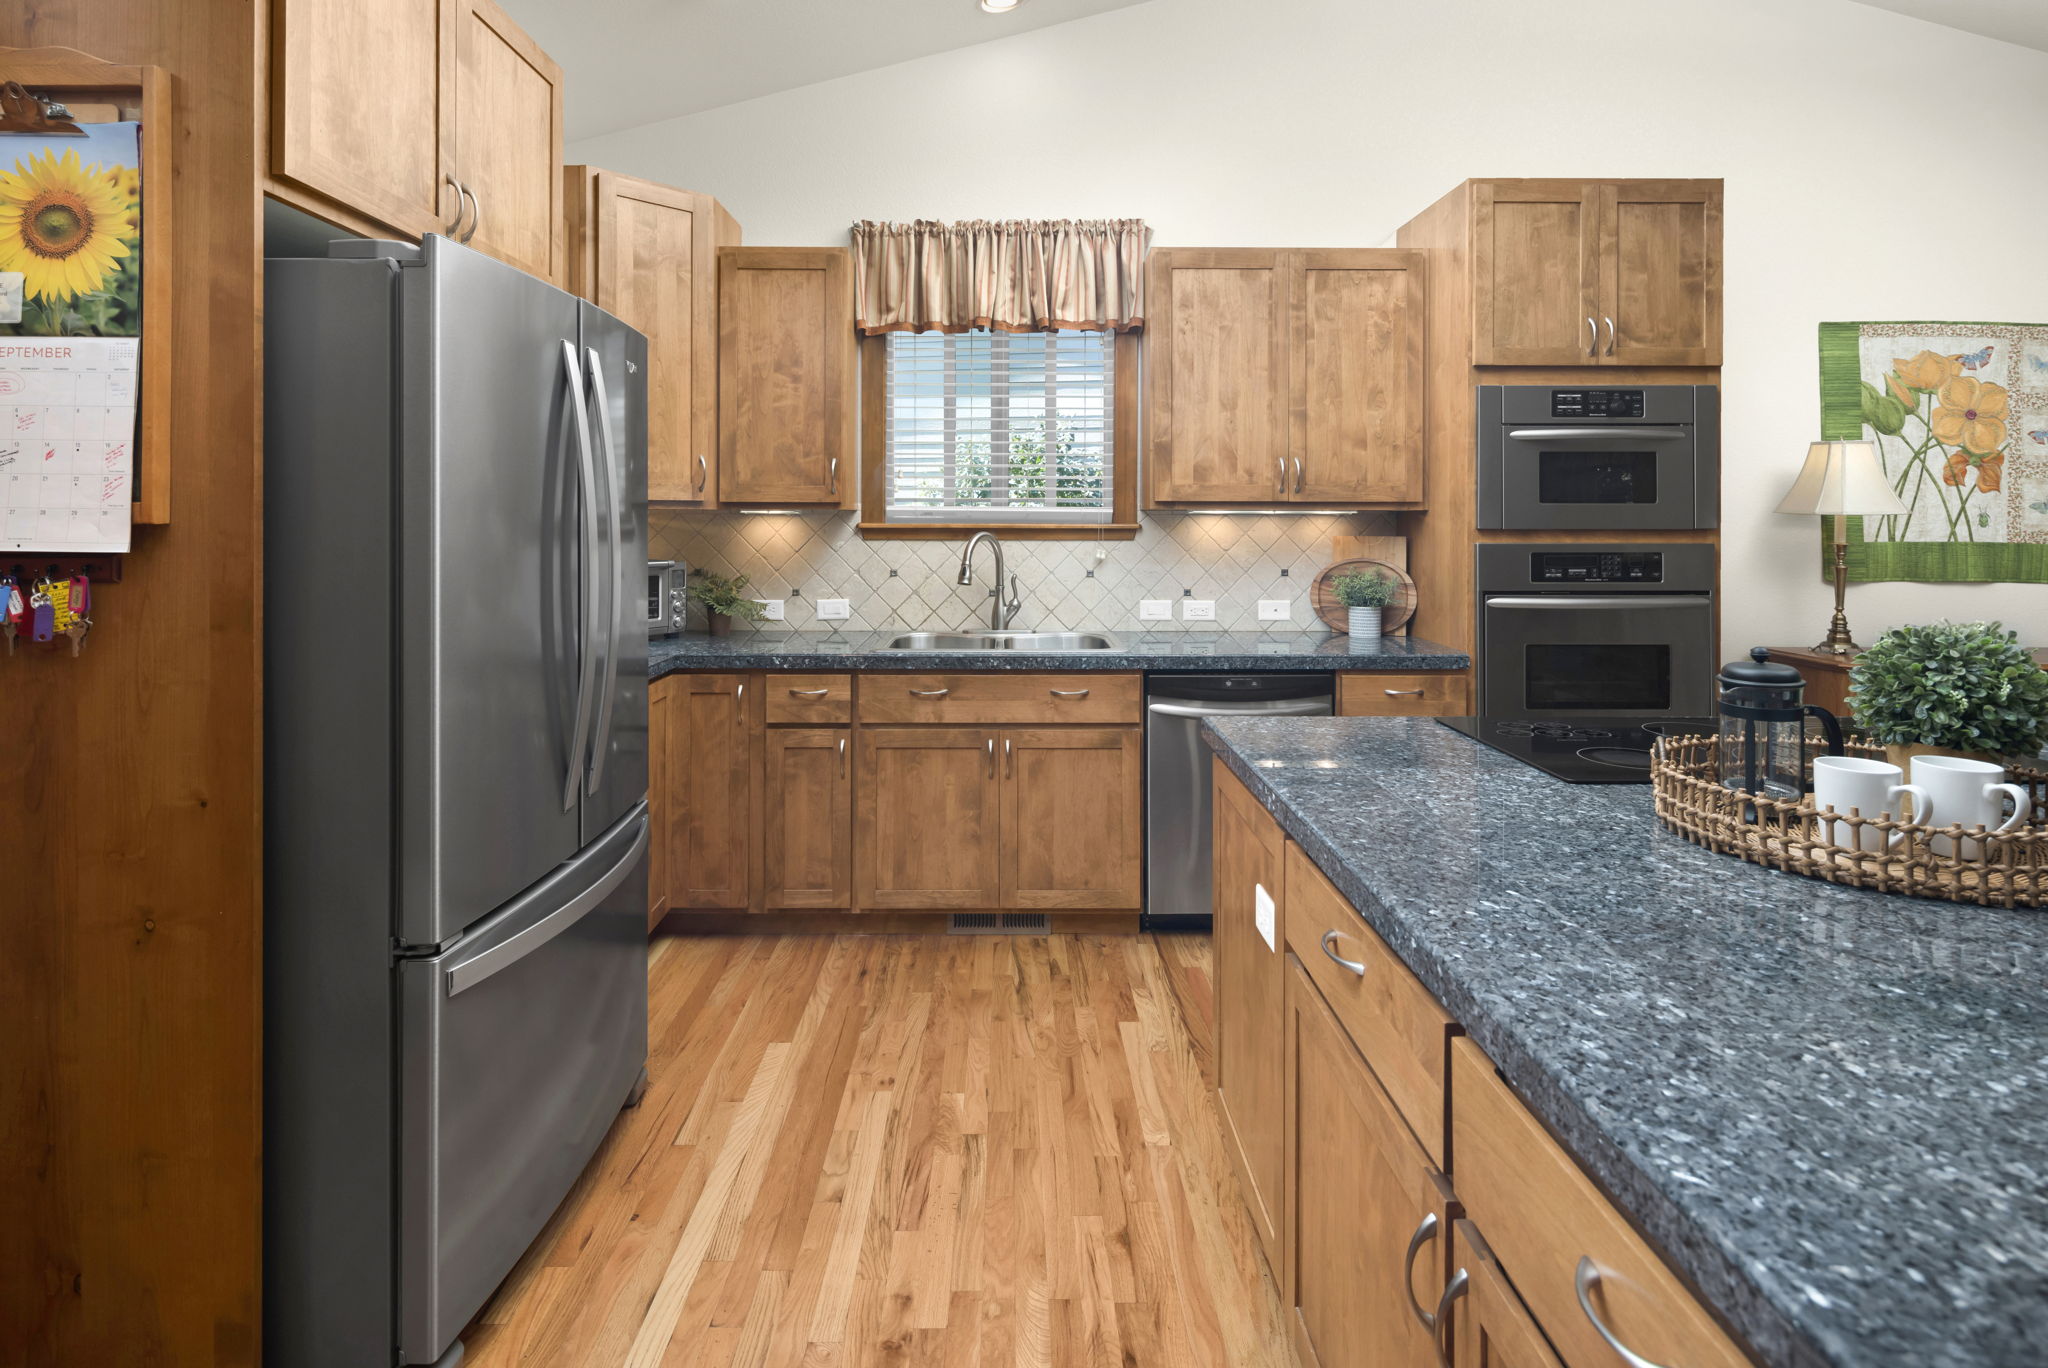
1032,433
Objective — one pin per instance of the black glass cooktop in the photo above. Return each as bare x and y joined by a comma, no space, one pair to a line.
1584,750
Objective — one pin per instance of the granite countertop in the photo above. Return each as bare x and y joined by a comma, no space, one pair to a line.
1827,1106
1192,651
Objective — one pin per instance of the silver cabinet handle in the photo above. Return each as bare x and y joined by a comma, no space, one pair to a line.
1402,693
1424,1233
814,693
1283,473
1299,477
476,213
933,693
842,757
1592,337
1610,333
1454,1289
1355,966
1588,1279
832,475
1068,693
1009,759
991,757
703,473
454,225
739,693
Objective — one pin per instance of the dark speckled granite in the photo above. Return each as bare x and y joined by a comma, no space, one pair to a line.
1190,651
1829,1107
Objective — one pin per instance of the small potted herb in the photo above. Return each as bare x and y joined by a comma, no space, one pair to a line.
1366,594
724,599
1951,688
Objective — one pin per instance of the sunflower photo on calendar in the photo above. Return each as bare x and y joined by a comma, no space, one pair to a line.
71,233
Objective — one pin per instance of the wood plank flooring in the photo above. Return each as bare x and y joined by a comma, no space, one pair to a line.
906,1150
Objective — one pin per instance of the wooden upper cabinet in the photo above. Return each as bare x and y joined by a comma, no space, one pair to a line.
927,819
1359,329
362,106
1216,401
648,253
1070,818
1660,264
508,140
786,349
1249,855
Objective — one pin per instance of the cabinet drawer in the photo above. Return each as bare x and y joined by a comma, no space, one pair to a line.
1000,699
1543,1216
1425,693
1390,1016
808,699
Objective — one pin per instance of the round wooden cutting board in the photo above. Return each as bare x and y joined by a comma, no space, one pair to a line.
1323,598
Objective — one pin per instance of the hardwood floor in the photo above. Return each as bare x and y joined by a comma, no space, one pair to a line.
964,1150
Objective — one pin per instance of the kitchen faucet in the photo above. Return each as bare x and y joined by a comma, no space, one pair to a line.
1000,614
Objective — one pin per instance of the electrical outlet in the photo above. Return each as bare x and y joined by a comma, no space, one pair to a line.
771,609
1198,610
834,610
1276,610
1155,610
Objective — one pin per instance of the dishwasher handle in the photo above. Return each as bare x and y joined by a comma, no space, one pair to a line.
1304,707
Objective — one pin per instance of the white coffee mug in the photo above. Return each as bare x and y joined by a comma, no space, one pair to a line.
1872,788
1968,793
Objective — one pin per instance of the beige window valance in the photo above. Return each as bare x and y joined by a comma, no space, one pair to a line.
1018,275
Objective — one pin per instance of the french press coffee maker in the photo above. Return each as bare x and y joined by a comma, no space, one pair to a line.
1763,727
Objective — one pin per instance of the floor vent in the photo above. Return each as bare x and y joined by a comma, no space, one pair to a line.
999,924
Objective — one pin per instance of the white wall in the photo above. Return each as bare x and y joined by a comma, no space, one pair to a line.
1877,167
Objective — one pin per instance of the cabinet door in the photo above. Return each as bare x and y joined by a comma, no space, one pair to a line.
1248,853
1535,273
1660,273
661,797
508,139
1489,1325
926,819
808,829
1070,824
785,376
1216,412
711,860
1358,376
362,99
1358,1189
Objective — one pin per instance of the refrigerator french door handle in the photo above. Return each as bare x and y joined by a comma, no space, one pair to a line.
601,743
586,483
470,972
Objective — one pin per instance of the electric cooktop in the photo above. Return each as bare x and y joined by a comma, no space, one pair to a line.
1584,750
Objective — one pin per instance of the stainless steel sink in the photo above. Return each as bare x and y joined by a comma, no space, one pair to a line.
1001,641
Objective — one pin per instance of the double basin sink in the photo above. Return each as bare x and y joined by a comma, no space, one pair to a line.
1001,641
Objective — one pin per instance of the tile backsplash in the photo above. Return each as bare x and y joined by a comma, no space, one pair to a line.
1233,560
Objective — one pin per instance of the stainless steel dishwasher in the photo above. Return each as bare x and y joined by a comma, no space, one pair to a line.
1177,839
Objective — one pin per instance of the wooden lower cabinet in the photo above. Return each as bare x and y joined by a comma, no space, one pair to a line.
807,831
1248,854
661,747
927,819
1490,1328
1359,1188
712,780
1071,834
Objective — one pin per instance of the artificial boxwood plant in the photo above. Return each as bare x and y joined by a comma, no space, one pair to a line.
1967,686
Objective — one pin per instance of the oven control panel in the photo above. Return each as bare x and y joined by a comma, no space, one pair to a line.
1597,567
1600,403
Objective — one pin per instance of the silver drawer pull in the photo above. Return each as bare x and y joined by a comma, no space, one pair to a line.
1068,693
1588,1279
1424,1233
930,693
842,757
1402,693
1454,1289
808,693
1355,966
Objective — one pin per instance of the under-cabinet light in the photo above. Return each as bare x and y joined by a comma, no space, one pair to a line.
998,6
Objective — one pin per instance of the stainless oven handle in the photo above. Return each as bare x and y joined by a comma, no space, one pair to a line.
1581,434
1601,601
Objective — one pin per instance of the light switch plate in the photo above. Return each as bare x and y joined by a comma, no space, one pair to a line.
771,609
1197,610
834,610
1276,610
1155,610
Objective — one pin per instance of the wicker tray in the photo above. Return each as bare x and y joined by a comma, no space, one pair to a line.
1691,801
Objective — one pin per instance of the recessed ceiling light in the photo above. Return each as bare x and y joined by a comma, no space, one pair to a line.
998,6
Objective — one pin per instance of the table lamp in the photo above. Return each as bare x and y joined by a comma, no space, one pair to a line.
1841,480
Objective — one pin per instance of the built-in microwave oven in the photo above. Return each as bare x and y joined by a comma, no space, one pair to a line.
667,602
1580,458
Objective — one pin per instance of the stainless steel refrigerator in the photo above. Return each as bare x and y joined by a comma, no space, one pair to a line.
455,817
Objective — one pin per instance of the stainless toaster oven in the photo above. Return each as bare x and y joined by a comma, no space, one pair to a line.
666,600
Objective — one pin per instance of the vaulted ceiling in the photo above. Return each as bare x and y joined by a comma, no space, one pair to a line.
2012,21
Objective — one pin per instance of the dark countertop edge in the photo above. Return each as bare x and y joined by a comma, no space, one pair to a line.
667,658
1711,1271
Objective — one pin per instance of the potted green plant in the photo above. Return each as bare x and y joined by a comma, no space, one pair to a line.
1951,688
724,599
1366,593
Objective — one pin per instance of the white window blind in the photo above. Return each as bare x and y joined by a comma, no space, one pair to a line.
1000,427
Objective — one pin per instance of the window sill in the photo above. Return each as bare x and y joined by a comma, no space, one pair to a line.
940,531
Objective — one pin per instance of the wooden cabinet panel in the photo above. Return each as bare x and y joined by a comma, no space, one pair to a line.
661,804
1358,1188
1542,1215
1000,698
1359,321
1248,851
508,139
1535,273
786,376
1660,273
711,857
1070,818
1489,1325
819,700
1216,375
808,831
1422,693
362,96
927,819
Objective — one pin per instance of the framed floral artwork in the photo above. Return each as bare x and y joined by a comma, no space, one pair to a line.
1959,412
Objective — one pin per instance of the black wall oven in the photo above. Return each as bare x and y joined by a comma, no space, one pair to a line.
1569,457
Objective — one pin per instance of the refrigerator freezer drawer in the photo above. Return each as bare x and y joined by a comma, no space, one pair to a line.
517,1047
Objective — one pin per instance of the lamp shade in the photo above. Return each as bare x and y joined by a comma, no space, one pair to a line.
1842,479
